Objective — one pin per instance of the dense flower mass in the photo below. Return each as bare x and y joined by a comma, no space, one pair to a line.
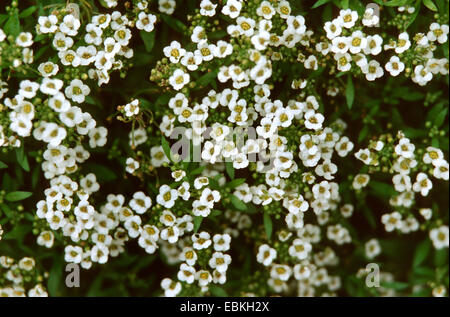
242,148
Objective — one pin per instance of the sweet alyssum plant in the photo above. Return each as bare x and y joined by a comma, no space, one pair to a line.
225,148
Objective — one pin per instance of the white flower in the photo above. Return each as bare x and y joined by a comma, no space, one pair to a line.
140,202
45,238
280,271
370,18
207,8
133,226
131,165
360,181
51,86
438,32
166,6
440,237
97,137
441,169
343,146
203,277
73,254
374,44
265,10
167,196
422,184
70,25
174,52
300,249
77,91
179,79
392,221
340,44
422,75
186,273
357,42
403,43
373,70
191,61
132,108
47,24
372,248
266,255
232,8
343,61
219,261
313,120
24,39
333,29
221,242
245,26
394,66
348,18
201,240
146,22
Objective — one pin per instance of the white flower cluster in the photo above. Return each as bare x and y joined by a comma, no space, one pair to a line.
16,274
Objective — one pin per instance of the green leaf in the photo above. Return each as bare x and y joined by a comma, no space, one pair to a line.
350,92
207,78
102,172
440,118
413,17
268,225
398,286
27,12
3,165
394,3
382,189
230,169
235,183
217,291
17,196
12,26
197,222
237,203
363,133
174,23
430,5
441,257
55,282
319,3
22,159
421,253
166,148
149,40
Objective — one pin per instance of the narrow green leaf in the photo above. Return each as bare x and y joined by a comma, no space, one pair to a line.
350,92
149,40
166,148
17,196
430,5
217,291
174,23
237,203
3,165
230,169
27,12
197,222
319,3
235,183
22,159
12,26
421,253
268,225
440,118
